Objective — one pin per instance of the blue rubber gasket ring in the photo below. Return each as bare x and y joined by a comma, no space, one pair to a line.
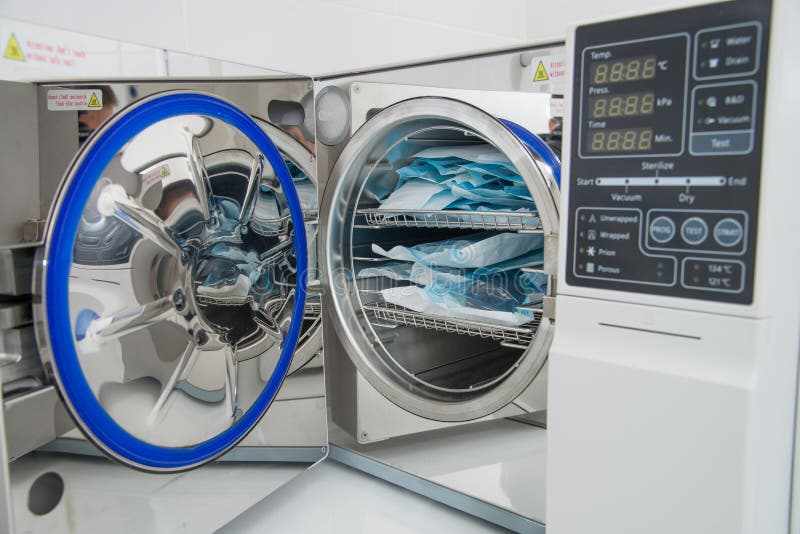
535,143
59,260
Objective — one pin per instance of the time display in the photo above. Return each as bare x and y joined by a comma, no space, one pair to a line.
623,140
625,105
623,70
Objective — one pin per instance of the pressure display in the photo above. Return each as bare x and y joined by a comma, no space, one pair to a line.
633,98
625,105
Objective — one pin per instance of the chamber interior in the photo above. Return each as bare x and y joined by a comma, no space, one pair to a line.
446,253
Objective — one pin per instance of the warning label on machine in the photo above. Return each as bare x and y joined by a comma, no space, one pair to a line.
544,71
74,99
552,68
541,73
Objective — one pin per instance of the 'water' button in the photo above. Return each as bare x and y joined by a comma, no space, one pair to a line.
662,229
728,232
694,230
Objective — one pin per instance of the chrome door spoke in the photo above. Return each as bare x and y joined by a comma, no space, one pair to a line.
231,386
197,168
253,183
182,368
127,321
114,201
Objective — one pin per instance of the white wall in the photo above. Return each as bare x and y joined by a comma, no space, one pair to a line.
321,36
547,20
300,36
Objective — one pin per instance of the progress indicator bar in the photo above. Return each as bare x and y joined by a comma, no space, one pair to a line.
662,181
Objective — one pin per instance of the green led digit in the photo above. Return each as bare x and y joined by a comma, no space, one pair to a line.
645,140
617,71
631,104
613,141
598,140
649,68
599,108
629,140
632,70
615,107
601,73
647,103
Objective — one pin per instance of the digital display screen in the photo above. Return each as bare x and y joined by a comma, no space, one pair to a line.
623,140
633,98
623,70
624,105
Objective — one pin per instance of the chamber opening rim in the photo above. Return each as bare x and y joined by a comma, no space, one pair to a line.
392,121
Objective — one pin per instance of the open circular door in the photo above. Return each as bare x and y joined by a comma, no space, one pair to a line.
163,285
426,316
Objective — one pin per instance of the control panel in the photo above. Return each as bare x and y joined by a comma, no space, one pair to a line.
666,152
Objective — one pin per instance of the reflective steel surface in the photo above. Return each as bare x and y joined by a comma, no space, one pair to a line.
182,279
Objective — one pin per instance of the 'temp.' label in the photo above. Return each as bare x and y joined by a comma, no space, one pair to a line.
74,99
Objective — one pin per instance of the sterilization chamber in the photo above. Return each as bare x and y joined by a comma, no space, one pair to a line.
438,351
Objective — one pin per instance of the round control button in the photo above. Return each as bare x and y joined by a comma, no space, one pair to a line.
728,232
662,229
694,230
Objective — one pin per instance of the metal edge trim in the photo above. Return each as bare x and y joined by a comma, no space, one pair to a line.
436,492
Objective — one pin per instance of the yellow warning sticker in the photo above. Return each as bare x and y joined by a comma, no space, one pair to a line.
93,102
541,73
13,50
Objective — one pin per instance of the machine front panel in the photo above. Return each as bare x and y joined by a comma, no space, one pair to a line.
668,114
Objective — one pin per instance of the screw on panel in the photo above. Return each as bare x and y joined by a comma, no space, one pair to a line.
201,337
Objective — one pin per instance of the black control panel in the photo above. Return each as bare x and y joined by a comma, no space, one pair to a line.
667,125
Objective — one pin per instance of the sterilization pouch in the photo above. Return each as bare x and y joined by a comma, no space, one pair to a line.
421,300
471,251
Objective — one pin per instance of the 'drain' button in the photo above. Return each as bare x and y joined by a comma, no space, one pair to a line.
694,230
662,229
728,232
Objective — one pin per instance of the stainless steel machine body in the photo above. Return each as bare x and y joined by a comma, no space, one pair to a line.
294,430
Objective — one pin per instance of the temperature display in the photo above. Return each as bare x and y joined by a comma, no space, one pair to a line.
625,105
624,70
627,140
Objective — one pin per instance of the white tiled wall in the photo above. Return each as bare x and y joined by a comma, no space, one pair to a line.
322,36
